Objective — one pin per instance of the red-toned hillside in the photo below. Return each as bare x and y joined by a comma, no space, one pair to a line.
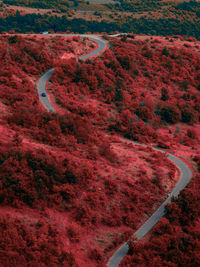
69,192
175,240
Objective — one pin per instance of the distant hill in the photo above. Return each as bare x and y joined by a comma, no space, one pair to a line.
147,17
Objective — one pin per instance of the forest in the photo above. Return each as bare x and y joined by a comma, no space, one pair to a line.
138,6
67,188
51,4
174,25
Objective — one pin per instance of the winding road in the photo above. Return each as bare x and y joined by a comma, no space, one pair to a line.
41,86
185,170
185,177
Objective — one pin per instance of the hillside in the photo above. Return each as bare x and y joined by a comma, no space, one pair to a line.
177,235
156,17
71,189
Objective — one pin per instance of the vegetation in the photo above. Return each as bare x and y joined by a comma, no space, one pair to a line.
51,4
138,6
69,185
175,240
38,23
60,173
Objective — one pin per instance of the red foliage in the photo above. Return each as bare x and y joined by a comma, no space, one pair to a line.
175,240
39,247
65,163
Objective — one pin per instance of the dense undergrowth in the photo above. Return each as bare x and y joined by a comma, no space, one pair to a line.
151,86
175,240
67,188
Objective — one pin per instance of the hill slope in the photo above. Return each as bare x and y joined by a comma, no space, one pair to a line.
62,176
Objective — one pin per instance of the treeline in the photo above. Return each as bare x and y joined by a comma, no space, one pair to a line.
38,23
164,27
146,5
192,6
51,4
139,6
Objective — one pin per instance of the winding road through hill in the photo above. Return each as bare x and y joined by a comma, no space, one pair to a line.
185,177
41,86
185,169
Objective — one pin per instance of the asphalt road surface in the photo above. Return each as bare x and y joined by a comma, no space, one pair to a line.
186,175
185,171
41,86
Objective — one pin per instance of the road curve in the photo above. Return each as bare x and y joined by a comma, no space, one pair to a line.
185,177
185,170
41,85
